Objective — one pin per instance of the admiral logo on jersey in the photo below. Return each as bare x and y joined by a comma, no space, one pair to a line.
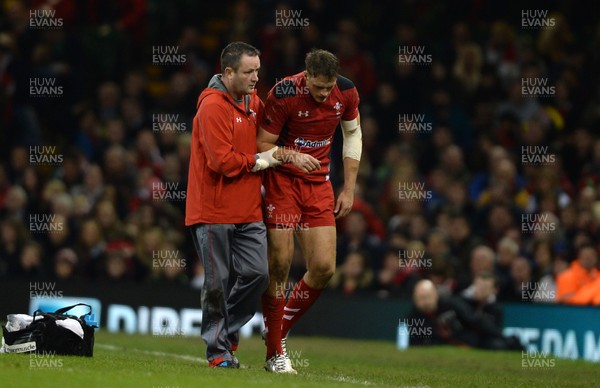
301,142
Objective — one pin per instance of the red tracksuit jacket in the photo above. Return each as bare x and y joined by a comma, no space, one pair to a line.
221,189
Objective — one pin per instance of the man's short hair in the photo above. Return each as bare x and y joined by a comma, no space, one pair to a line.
232,53
322,63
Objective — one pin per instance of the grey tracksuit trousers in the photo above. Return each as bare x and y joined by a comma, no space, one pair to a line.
235,263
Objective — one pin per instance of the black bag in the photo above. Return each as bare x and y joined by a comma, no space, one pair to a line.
45,336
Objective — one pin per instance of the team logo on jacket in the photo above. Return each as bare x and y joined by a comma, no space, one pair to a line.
302,142
302,114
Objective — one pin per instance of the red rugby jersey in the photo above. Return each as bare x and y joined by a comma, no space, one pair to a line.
305,125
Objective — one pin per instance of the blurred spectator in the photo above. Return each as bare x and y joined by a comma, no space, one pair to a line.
501,50
65,264
521,280
580,283
15,204
462,240
482,260
118,262
481,297
31,262
13,236
108,219
354,275
91,248
356,237
115,267
441,264
543,259
93,185
356,64
397,277
169,265
148,245
451,321
507,253
467,68
108,101
547,283
59,237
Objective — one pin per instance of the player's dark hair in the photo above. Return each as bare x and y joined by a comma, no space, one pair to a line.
322,62
232,53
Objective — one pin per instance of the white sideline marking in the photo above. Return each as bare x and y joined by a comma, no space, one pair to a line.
351,380
339,378
153,353
345,379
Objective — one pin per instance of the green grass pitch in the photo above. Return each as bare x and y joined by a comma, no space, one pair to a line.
145,361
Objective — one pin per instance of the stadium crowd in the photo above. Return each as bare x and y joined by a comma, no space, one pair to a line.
507,184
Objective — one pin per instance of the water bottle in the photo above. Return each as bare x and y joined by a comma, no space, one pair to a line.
402,337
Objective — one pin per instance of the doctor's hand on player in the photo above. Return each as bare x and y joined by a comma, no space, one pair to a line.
304,162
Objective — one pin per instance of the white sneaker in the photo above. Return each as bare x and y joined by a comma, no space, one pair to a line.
279,364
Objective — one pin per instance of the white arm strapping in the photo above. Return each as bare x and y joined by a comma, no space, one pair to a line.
352,134
265,160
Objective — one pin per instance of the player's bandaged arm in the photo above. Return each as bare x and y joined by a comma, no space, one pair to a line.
352,134
351,151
